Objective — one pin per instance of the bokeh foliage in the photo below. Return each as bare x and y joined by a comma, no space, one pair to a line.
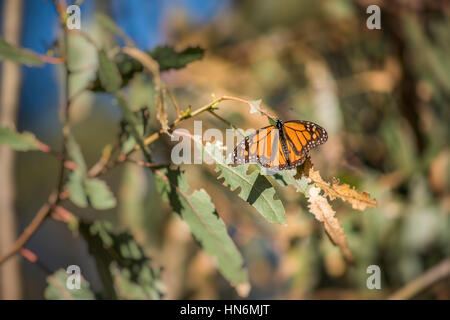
382,95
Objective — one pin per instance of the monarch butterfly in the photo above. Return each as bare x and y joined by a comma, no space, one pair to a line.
282,146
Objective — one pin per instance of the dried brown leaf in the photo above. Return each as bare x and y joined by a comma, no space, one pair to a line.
319,206
358,200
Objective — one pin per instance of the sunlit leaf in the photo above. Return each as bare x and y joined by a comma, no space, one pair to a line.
207,227
288,177
358,200
319,206
255,188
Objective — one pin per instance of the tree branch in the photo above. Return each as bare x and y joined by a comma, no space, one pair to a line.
10,284
440,271
54,197
102,166
43,212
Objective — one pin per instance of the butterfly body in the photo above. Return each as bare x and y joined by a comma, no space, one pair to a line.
282,146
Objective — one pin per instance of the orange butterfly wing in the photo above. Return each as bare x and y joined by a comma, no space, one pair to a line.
302,136
280,152
257,147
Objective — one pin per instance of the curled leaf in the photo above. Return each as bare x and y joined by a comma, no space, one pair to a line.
358,200
322,211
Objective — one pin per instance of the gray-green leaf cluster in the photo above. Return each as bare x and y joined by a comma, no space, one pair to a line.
207,227
125,270
86,191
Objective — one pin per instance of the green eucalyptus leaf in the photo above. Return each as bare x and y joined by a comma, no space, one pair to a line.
125,270
19,55
207,227
108,72
78,193
255,188
24,141
58,288
99,194
168,58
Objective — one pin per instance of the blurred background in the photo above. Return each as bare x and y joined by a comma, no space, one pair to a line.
382,95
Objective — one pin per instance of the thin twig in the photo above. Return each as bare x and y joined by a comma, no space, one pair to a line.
51,60
440,271
12,15
174,102
32,227
209,106
227,122
148,165
103,161
147,61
